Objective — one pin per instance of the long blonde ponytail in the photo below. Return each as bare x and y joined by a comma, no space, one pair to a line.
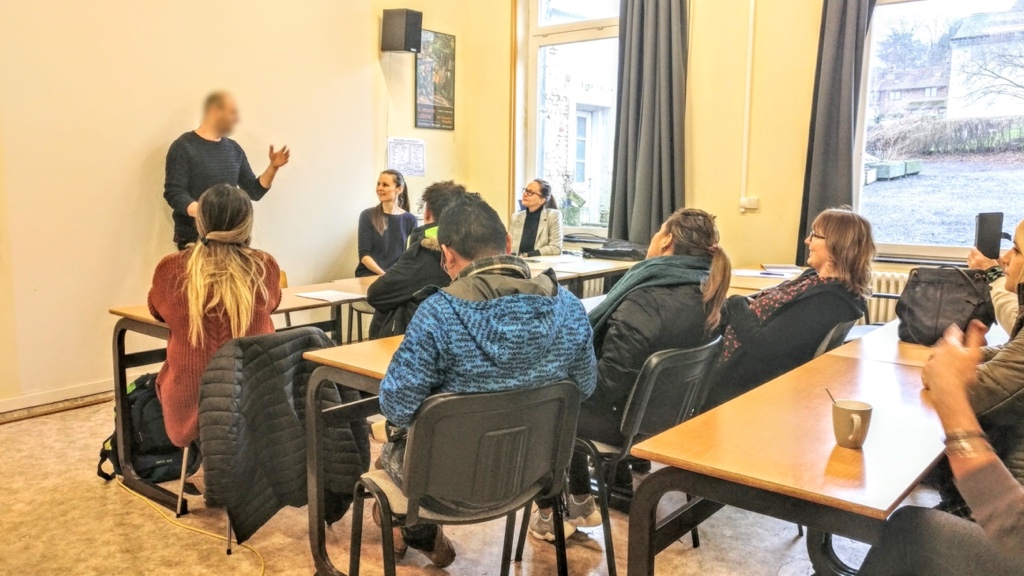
223,274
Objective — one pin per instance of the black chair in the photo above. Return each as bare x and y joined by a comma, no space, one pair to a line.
670,389
835,338
476,458
356,311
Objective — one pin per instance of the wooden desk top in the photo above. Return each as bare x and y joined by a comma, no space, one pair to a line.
884,345
779,437
289,301
536,269
369,358
593,267
138,312
356,285
747,285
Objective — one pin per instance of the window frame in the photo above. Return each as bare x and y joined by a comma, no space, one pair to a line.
538,38
889,251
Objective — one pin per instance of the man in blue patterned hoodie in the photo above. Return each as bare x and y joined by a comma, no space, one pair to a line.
494,328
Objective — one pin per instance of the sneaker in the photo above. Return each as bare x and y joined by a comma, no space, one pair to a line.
543,528
583,513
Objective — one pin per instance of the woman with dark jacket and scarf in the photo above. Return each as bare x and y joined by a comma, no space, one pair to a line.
394,295
670,300
781,328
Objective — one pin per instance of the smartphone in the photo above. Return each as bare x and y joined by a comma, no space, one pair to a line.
988,233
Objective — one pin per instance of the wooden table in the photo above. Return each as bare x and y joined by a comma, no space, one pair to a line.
884,345
575,270
772,451
138,319
358,366
744,285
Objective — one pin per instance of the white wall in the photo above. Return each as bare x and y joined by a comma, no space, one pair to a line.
93,93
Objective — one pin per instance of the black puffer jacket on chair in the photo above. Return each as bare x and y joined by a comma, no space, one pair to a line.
252,430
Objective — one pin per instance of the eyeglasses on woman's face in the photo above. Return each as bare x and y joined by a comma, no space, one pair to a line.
812,236
527,193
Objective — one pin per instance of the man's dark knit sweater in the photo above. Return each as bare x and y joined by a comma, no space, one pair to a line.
194,164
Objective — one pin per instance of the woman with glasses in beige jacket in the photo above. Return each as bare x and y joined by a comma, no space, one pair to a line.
537,228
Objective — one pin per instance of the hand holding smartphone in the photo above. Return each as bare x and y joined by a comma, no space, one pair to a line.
988,233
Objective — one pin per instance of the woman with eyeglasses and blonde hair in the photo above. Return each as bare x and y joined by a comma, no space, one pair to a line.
215,290
537,228
781,328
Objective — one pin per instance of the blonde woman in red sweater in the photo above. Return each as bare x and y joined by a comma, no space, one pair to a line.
216,289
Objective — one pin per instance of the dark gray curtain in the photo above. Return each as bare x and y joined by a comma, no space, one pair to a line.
830,179
647,175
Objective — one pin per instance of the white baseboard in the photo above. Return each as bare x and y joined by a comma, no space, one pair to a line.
61,394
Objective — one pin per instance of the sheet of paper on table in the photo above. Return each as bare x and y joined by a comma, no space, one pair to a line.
332,296
548,260
764,274
784,268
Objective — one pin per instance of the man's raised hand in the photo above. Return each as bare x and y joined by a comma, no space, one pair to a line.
280,157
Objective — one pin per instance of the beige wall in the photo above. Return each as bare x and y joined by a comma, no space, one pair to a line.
91,95
784,57
476,152
87,113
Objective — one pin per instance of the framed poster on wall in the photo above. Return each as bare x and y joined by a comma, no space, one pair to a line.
435,81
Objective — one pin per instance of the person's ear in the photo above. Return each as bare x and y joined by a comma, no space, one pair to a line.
446,257
508,243
428,216
666,244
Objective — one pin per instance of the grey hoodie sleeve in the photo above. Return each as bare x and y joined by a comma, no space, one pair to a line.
997,501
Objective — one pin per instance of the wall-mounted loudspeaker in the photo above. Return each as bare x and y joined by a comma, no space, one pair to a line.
401,31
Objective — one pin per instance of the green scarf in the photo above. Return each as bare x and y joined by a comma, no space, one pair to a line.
659,271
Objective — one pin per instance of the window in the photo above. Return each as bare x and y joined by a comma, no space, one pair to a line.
572,82
574,11
582,147
943,122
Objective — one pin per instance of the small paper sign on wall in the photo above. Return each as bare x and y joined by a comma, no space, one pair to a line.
408,156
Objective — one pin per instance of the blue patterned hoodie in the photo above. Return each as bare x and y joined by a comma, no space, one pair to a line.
494,328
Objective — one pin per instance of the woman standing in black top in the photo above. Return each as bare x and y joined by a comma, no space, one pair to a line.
385,228
781,328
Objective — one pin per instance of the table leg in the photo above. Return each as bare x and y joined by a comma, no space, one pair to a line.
122,362
823,556
576,287
338,330
317,419
647,536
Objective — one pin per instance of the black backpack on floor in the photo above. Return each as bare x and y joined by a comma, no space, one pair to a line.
154,456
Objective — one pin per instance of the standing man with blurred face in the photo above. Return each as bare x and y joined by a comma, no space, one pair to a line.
205,157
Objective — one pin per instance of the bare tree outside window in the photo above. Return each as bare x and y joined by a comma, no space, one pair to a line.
944,119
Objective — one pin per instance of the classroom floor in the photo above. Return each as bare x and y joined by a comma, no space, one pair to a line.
58,517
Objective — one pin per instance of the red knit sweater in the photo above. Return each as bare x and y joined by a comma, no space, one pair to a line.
177,384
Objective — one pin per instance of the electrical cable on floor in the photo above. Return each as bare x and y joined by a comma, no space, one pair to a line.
263,565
